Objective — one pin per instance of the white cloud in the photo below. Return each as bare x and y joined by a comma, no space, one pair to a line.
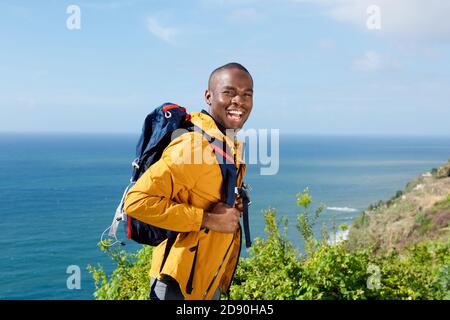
400,19
373,61
166,34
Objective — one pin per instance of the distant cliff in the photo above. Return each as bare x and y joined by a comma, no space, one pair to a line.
418,213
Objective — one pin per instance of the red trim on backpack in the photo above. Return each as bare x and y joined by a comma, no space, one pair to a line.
129,227
172,106
223,153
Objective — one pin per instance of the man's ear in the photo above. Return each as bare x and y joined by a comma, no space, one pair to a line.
208,97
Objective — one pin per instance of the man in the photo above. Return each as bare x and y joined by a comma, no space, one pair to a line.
186,197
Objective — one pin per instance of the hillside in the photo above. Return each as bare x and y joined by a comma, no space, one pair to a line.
420,212
348,270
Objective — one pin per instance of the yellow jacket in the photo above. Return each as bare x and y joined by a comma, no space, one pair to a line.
173,194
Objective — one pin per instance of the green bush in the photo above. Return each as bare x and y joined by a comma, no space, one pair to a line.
129,281
422,222
443,203
275,269
271,270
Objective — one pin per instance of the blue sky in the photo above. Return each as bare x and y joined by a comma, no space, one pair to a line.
318,68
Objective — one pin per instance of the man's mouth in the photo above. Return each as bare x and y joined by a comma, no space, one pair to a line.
235,115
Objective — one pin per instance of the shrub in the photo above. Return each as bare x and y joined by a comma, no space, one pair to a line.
271,271
275,269
129,281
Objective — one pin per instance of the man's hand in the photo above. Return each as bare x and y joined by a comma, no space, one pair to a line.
222,218
238,203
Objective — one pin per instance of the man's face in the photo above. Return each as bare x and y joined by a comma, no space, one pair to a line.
230,97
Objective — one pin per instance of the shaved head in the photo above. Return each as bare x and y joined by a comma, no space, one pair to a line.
230,95
231,65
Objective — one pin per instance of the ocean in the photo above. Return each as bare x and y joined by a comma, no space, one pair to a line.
59,192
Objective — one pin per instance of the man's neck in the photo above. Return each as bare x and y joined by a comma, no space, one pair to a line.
231,132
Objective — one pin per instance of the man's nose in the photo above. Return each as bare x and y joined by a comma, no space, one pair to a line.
237,100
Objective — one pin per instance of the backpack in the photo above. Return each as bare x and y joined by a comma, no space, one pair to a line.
157,131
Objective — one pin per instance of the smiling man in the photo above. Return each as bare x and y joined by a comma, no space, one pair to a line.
189,198
230,95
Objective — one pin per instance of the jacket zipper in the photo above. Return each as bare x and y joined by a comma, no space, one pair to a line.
240,247
189,287
217,271
235,266
226,253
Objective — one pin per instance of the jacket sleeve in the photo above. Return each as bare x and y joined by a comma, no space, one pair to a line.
151,198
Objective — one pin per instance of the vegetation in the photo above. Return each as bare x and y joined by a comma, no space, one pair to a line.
129,281
274,269
418,214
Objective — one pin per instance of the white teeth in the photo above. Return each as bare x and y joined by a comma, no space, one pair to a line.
239,113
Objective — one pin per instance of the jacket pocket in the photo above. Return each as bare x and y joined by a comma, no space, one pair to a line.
191,275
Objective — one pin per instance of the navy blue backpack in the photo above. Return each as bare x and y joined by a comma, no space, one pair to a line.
156,135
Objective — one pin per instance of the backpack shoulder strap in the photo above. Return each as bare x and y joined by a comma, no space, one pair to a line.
229,175
227,166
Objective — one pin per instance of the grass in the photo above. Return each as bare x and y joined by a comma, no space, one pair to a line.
410,216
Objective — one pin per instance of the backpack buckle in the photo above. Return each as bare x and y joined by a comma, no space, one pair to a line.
135,163
245,188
